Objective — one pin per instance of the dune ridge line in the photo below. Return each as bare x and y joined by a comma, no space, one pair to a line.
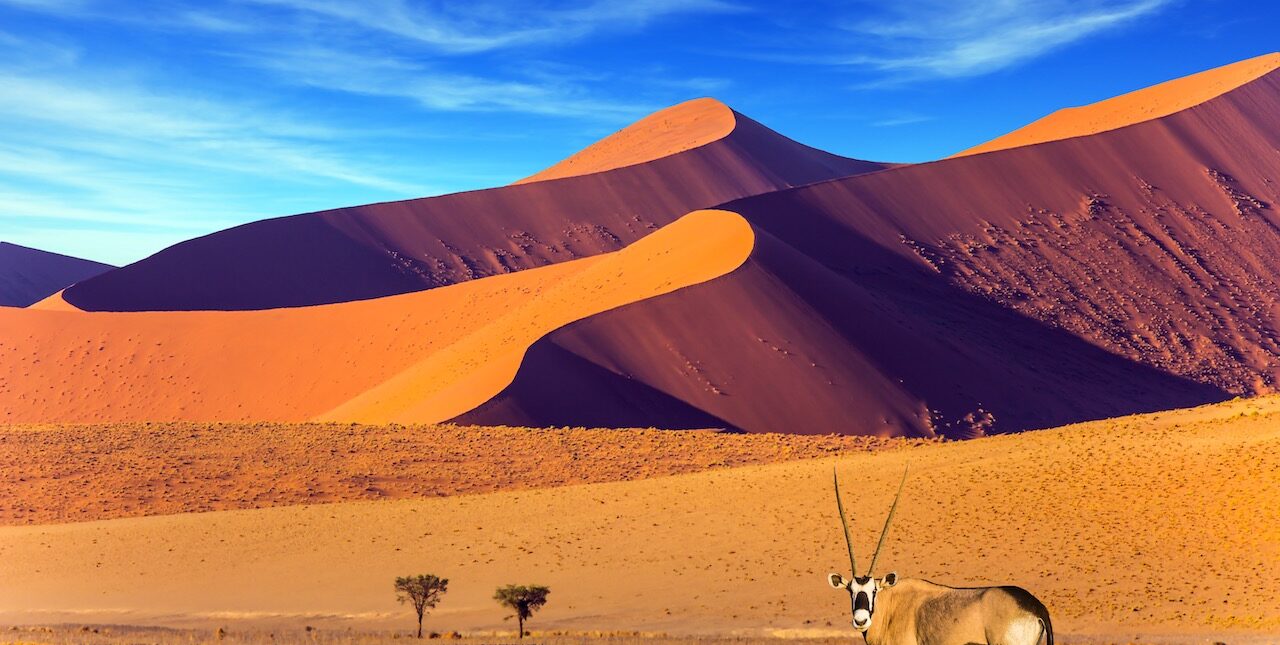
1146,104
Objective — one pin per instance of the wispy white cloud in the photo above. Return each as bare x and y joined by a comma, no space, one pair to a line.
940,38
408,50
905,119
390,75
59,6
85,148
208,131
30,53
483,26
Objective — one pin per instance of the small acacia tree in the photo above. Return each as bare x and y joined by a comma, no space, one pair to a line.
422,591
523,600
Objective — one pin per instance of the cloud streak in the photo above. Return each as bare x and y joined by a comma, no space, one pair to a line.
430,86
465,28
942,39
212,133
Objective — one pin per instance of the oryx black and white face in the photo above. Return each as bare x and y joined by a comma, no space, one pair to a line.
862,595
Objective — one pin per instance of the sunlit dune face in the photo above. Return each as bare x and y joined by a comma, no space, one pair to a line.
1135,107
676,129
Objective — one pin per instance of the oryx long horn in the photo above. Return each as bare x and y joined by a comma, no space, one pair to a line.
844,524
885,532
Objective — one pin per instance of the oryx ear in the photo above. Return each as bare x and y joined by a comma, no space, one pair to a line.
836,580
889,579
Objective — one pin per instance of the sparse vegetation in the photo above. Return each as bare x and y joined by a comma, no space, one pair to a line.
523,600
134,635
421,591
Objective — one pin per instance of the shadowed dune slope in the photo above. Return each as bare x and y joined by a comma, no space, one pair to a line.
29,275
1131,270
1135,107
397,247
1094,519
420,357
784,344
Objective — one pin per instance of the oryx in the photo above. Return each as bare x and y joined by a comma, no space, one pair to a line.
893,611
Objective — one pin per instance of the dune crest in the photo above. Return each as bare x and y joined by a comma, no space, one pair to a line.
1135,107
453,346
666,132
696,248
54,302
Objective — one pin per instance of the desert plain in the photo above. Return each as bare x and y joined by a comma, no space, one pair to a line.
1094,517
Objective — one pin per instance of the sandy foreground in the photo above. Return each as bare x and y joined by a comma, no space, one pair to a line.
1163,526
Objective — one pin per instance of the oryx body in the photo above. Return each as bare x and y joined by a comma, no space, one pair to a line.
919,612
889,611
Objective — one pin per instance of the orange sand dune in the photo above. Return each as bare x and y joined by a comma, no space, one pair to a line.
1168,522
378,250
678,128
423,357
471,371
54,302
1135,107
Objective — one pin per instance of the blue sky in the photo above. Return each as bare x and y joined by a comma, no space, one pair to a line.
126,126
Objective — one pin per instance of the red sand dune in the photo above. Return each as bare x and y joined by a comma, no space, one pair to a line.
421,357
661,134
28,275
1135,107
398,247
1130,270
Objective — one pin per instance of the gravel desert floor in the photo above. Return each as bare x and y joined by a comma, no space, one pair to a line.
74,473
1153,528
132,635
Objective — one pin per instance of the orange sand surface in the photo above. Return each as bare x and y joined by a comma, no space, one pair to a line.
54,302
90,472
1165,524
678,128
422,357
1135,107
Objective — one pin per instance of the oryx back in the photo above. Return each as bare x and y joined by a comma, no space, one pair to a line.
918,612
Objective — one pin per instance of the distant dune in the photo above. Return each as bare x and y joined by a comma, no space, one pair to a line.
1107,522
1135,107
378,250
29,275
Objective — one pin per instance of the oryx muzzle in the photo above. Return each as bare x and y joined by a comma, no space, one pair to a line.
889,611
